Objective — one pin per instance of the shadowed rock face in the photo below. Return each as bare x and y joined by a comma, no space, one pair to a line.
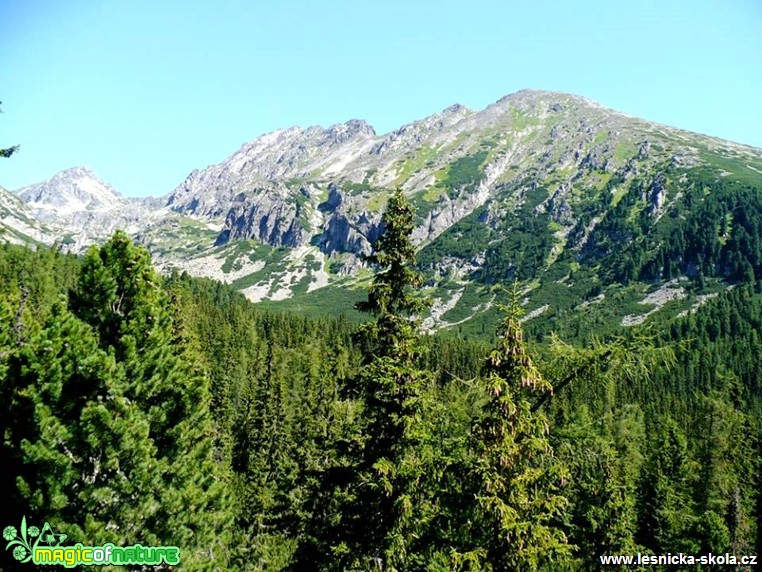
268,217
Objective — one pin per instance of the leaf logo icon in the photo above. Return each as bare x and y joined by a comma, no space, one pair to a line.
25,540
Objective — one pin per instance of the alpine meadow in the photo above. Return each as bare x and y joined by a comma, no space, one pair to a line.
524,338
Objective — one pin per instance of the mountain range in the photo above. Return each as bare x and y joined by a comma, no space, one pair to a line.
601,217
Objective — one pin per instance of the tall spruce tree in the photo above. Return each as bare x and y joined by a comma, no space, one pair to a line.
377,515
391,386
726,457
516,478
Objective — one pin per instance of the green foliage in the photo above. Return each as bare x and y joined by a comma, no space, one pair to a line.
605,458
109,425
465,171
696,237
322,303
389,295
380,507
462,240
148,409
516,479
668,517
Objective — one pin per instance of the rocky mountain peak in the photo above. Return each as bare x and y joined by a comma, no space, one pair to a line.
73,189
352,128
81,208
456,109
541,101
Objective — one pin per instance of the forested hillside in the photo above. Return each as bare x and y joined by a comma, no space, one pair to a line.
169,410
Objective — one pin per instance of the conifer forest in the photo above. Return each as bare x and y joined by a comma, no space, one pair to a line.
162,409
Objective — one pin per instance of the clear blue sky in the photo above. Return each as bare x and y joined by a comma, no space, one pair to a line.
144,91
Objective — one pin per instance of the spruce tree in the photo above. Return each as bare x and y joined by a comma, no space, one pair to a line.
516,478
726,455
391,386
378,509
602,517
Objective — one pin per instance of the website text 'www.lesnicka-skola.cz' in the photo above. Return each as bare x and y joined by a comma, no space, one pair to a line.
678,559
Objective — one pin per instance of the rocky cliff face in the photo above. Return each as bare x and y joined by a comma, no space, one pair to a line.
278,156
268,215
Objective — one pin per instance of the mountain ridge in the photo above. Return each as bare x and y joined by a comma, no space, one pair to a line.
536,184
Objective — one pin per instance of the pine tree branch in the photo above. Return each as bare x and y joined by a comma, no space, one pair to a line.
5,153
546,397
